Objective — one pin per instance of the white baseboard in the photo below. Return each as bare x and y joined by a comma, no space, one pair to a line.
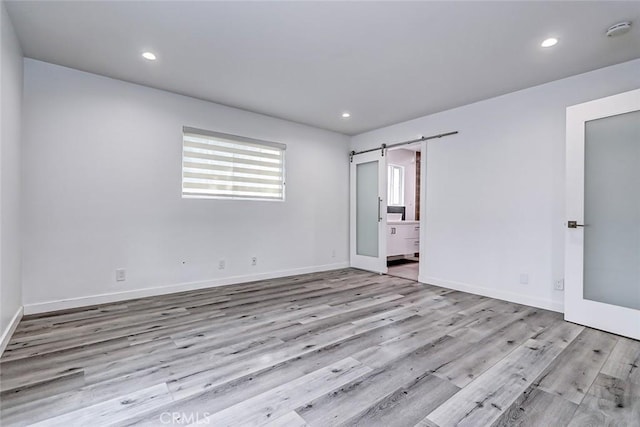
64,304
495,293
11,328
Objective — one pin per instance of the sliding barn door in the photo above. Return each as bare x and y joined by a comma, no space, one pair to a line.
368,241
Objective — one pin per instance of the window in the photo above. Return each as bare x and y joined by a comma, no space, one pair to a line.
221,166
395,190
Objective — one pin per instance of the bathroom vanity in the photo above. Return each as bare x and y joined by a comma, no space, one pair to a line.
403,237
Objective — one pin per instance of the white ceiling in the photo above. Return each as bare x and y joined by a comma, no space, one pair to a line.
385,62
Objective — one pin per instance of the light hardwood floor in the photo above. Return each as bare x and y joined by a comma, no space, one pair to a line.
344,347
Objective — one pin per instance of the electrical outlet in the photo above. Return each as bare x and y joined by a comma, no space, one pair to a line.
254,261
559,285
524,279
121,275
333,253
222,264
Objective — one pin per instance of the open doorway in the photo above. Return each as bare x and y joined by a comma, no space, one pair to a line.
403,211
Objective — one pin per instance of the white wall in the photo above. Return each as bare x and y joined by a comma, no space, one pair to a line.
102,185
407,159
495,192
11,96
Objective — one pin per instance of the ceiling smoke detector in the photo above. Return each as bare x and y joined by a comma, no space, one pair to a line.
618,29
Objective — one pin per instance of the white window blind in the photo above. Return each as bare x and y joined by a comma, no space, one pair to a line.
217,165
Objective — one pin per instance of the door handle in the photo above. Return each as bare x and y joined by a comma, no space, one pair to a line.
379,209
574,224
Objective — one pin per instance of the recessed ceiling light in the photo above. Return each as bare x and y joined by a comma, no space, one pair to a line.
149,55
346,115
549,42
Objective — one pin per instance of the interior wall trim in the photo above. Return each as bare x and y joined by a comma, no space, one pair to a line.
11,328
495,293
64,304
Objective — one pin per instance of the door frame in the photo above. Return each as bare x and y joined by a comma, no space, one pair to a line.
375,264
620,320
423,211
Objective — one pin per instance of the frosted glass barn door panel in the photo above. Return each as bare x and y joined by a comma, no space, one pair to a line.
602,243
368,212
367,209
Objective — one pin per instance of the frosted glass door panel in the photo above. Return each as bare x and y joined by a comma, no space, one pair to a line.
612,210
367,209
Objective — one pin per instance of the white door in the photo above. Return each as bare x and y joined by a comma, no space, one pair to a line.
602,245
368,240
